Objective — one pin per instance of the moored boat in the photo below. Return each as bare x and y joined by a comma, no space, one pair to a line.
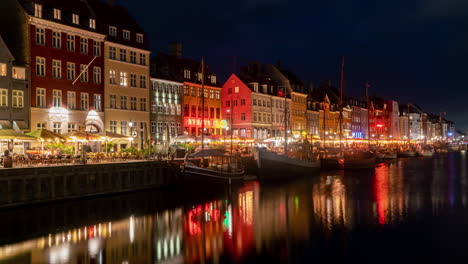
273,162
425,153
406,154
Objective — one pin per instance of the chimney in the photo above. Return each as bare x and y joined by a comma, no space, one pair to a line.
175,49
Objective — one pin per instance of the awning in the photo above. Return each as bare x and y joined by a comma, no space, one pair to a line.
22,125
5,124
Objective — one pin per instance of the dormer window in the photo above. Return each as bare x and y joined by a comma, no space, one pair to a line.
187,74
92,23
126,34
75,19
264,88
113,31
255,87
38,10
57,14
139,38
199,76
213,79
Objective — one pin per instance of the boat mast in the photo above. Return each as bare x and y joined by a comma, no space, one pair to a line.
203,103
368,114
341,102
409,129
285,122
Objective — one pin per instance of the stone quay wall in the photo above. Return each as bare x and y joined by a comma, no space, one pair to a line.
23,186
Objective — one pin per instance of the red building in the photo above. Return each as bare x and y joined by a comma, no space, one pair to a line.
65,52
237,106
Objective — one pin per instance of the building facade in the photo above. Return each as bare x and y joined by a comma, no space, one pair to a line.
166,110
14,92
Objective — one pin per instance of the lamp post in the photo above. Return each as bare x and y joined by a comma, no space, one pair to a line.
131,125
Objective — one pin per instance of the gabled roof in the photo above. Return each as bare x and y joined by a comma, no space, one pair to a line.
251,74
5,47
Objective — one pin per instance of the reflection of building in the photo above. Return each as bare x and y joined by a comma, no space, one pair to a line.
61,42
126,76
312,121
168,237
194,99
14,95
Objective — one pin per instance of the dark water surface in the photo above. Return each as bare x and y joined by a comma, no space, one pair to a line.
412,211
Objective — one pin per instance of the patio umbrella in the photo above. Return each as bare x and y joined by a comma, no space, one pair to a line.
11,134
109,136
183,139
79,135
45,135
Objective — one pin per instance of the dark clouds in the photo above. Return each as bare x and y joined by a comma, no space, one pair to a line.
410,50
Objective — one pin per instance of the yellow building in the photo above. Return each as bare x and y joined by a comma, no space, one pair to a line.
298,113
329,120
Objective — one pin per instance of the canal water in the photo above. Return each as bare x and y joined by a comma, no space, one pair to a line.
411,211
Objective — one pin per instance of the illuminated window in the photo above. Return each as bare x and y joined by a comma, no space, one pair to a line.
40,66
112,77
38,10
123,127
97,102
84,101
153,107
56,69
84,45
113,126
126,34
19,73
84,73
139,38
40,97
187,74
92,23
97,75
70,71
213,79
57,127
17,98
153,127
113,31
56,40
71,100
57,14
3,69
3,97
75,19
40,36
123,79
57,98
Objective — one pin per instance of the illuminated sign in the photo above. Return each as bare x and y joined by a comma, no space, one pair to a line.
357,135
197,122
223,124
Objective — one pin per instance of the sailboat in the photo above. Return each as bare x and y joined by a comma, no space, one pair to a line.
281,166
349,160
210,164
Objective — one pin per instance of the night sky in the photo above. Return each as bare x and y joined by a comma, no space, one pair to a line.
413,50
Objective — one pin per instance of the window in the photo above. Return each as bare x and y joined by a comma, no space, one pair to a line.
160,108
84,45
243,116
212,112
58,127
153,107
113,101
71,100
113,31
193,91
153,127
142,104
57,14
186,73
37,10
3,69
84,101
199,92
70,42
228,103
212,93
57,98
200,112
3,97
40,36
19,73
123,102
92,23
97,102
70,71
112,53
213,79
17,98
126,34
97,75
123,127
133,103
133,80
56,40
218,113
193,112
160,127
123,55
71,127
40,97
75,19
56,69
41,125
40,66
133,57
97,48
142,59
242,101
84,73
142,81
218,95
113,126
123,79
139,38
112,77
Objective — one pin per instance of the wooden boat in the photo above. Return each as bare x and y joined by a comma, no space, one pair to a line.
390,155
212,165
332,163
406,154
425,153
359,161
276,163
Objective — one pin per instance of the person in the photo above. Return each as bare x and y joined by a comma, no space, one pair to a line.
7,160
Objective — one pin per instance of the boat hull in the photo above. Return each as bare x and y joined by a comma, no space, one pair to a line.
279,166
359,164
332,163
426,154
196,175
406,154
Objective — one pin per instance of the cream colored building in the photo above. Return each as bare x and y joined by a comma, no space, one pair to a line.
126,89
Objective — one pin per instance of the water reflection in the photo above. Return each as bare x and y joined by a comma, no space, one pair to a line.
262,219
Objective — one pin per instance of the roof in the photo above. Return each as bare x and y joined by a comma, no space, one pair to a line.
254,74
171,67
2,43
296,83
